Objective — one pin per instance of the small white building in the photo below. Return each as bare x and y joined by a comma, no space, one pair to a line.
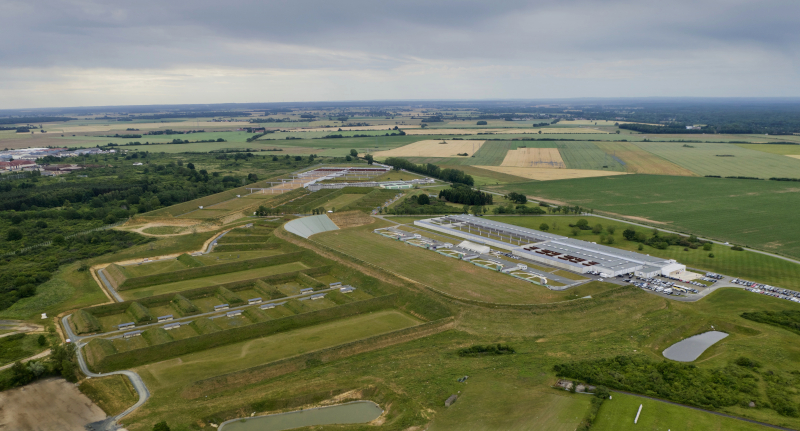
477,248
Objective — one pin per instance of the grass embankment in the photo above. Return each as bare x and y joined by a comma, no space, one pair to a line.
618,413
746,212
452,276
213,280
113,394
743,264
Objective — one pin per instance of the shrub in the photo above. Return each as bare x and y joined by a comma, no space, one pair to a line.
489,349
737,248
13,234
481,123
544,227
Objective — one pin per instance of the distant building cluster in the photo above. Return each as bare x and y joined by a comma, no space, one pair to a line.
23,160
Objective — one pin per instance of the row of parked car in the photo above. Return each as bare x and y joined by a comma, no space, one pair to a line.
660,286
766,289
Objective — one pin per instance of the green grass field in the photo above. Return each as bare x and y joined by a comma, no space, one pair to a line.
618,413
704,159
744,264
747,212
782,149
447,274
180,286
166,379
341,201
487,404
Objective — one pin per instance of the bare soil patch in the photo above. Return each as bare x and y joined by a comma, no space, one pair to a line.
51,404
534,158
548,174
433,148
350,219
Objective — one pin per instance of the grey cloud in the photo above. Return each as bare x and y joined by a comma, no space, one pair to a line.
572,45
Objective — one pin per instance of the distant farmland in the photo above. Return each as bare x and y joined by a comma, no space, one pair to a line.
725,160
587,155
757,213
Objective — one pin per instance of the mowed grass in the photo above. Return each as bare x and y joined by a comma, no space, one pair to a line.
725,160
153,268
489,404
341,201
166,377
447,274
180,286
618,414
747,212
744,264
782,149
587,155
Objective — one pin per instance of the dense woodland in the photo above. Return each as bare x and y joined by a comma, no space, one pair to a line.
64,211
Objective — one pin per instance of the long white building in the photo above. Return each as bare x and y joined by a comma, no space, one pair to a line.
554,250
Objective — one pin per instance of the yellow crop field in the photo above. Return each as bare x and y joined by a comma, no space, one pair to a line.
796,156
640,161
433,148
534,158
558,130
548,174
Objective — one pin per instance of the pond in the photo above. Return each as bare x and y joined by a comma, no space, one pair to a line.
355,412
691,348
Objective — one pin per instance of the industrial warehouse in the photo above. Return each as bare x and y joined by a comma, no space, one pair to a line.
554,250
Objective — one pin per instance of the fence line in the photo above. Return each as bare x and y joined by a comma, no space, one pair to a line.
47,243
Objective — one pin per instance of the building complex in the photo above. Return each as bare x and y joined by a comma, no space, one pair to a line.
554,250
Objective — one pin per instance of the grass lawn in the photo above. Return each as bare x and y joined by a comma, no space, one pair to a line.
166,379
113,394
618,414
450,275
151,268
744,264
488,404
194,283
341,201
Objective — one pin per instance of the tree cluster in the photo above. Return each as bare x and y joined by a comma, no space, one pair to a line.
465,195
431,170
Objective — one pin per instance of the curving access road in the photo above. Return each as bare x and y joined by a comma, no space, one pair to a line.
108,424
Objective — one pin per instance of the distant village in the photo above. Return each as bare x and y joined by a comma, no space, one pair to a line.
25,159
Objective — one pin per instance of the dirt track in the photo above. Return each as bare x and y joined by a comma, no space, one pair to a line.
51,404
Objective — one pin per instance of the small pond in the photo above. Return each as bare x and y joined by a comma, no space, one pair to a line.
691,348
355,412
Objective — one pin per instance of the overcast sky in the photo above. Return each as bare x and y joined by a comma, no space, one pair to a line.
79,53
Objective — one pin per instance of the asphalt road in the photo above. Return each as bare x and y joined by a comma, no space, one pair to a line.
110,423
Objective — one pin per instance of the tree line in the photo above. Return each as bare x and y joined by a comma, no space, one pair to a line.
431,170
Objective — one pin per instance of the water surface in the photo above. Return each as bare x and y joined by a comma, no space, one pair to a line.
351,413
691,348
